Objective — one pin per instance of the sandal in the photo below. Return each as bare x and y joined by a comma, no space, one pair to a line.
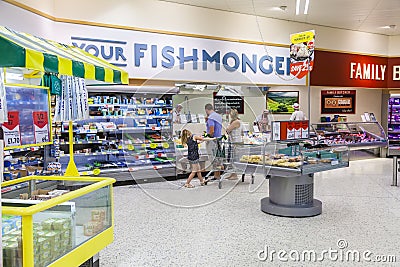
189,186
203,183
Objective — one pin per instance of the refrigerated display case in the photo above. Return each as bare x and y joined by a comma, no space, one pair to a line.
393,126
61,221
290,168
355,135
126,132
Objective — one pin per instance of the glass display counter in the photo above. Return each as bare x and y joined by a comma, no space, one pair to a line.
290,168
355,135
64,224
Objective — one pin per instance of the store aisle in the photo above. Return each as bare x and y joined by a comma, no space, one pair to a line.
359,207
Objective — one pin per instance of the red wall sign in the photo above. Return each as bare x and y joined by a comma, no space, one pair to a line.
348,70
394,72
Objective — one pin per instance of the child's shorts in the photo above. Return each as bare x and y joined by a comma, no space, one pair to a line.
196,161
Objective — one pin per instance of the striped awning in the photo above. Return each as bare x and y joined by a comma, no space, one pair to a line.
19,49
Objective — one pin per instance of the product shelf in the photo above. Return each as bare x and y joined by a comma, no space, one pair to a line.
86,142
118,138
133,106
16,150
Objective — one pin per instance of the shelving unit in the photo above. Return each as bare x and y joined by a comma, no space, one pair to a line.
24,151
394,125
121,138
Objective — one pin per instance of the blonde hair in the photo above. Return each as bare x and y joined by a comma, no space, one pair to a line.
234,114
186,134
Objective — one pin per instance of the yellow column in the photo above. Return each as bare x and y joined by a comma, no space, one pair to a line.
27,241
72,170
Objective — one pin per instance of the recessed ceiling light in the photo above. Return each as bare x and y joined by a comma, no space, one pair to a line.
392,26
297,7
279,8
306,7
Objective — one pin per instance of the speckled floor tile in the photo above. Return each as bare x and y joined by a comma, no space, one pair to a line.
153,229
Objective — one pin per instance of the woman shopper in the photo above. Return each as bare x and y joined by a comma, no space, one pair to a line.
235,135
193,156
235,128
176,114
262,121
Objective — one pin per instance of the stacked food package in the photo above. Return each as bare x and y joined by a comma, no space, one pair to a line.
273,160
96,224
52,238
11,241
282,160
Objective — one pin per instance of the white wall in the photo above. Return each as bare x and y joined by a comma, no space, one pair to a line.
366,100
45,6
253,106
394,46
21,20
165,16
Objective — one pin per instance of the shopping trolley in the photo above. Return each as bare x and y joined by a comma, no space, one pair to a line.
222,155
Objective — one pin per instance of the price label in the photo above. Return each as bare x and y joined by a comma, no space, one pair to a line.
276,129
11,130
304,130
153,145
165,145
41,126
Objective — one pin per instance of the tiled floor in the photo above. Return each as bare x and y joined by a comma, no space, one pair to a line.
161,224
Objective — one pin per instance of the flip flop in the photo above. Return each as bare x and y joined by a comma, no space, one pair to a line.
189,186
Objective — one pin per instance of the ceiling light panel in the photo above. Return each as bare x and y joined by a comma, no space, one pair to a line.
363,15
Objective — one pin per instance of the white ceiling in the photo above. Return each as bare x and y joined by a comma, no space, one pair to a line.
360,15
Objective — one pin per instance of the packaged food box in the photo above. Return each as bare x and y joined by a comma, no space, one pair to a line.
53,237
61,224
41,197
43,243
45,256
6,227
98,215
5,238
12,254
89,228
65,235
38,260
10,223
37,227
15,234
12,262
40,192
48,224
56,193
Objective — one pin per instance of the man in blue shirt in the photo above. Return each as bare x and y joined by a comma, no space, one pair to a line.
214,122
214,129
